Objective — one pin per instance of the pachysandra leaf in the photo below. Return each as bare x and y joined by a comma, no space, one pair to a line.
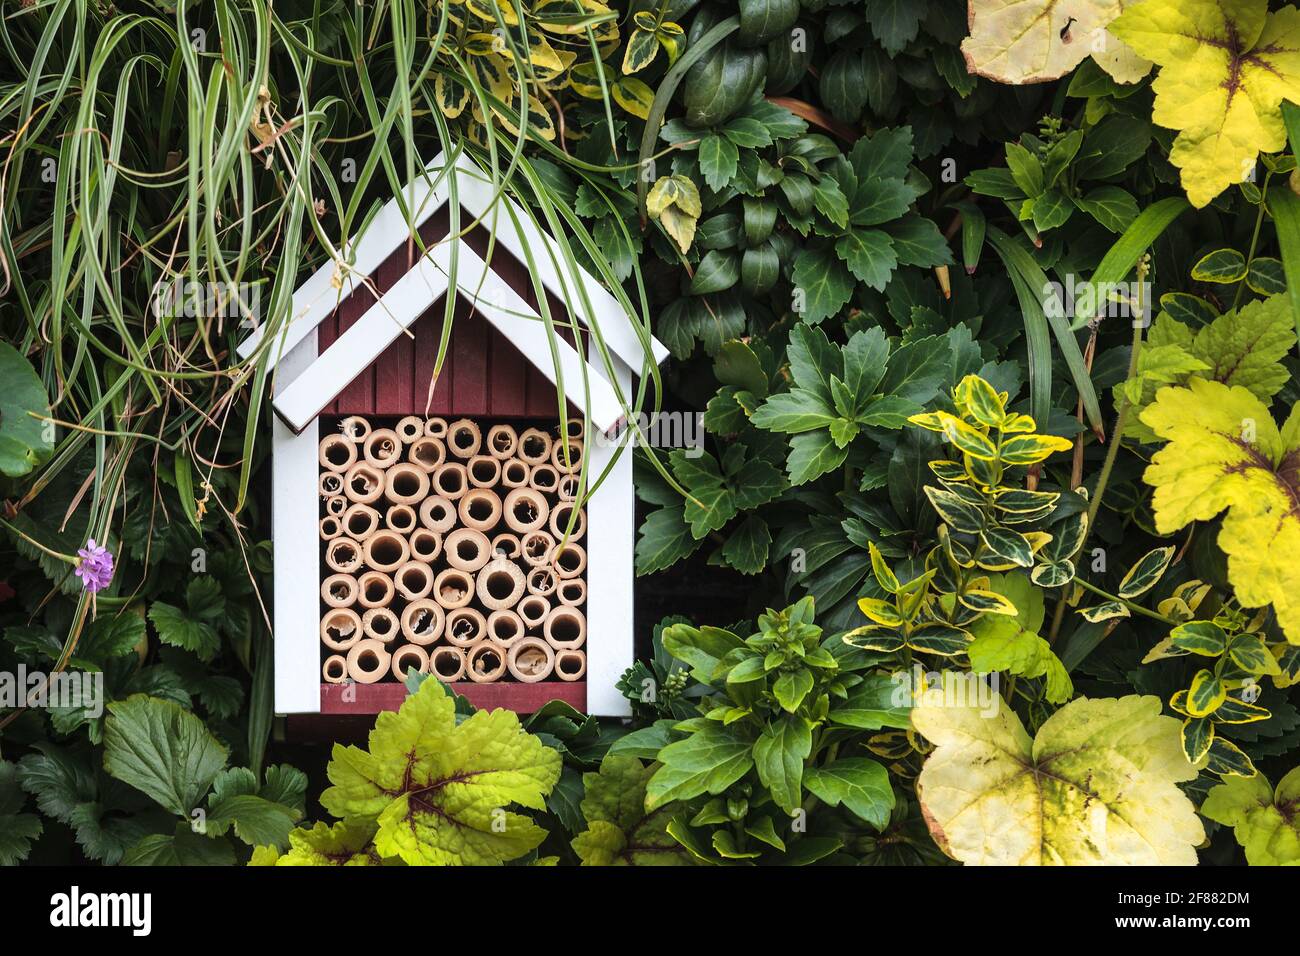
1225,69
1225,452
1098,785
1030,41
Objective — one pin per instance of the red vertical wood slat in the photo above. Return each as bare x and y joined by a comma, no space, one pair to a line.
469,383
483,372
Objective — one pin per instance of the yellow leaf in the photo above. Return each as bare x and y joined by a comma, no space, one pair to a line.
1225,69
483,9
675,202
585,80
641,50
634,96
1029,41
452,95
1225,452
1098,785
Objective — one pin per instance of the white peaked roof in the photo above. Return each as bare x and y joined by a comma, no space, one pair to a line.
431,277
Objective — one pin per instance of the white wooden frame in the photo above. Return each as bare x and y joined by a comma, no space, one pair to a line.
319,295
295,517
306,381
408,299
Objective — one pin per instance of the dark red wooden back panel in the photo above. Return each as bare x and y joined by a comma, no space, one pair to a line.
482,373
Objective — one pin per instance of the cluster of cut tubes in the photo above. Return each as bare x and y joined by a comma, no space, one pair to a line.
451,551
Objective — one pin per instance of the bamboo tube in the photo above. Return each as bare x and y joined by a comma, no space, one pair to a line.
480,509
409,429
569,559
335,669
559,522
565,628
530,660
331,484
542,581
340,628
360,521
386,550
380,624
570,665
453,588
426,545
355,428
382,448
534,446
422,621
337,504
575,428
536,547
574,449
525,510
408,656
484,472
435,427
437,514
502,440
363,483
505,627
368,661
406,484
465,625
567,487
449,480
573,592
343,555
427,453
506,545
543,478
401,518
500,584
339,590
467,549
413,580
485,662
330,528
447,663
336,453
374,589
514,473
464,438
533,610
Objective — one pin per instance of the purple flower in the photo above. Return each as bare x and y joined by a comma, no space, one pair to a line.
94,567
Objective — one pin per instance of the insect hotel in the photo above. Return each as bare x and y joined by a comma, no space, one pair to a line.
436,524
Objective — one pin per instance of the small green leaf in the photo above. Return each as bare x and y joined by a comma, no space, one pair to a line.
1222,265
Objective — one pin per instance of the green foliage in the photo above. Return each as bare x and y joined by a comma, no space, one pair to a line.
1263,820
620,831
167,754
26,432
781,706
431,791
777,190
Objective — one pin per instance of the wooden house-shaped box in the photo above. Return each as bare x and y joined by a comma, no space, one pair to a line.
356,426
